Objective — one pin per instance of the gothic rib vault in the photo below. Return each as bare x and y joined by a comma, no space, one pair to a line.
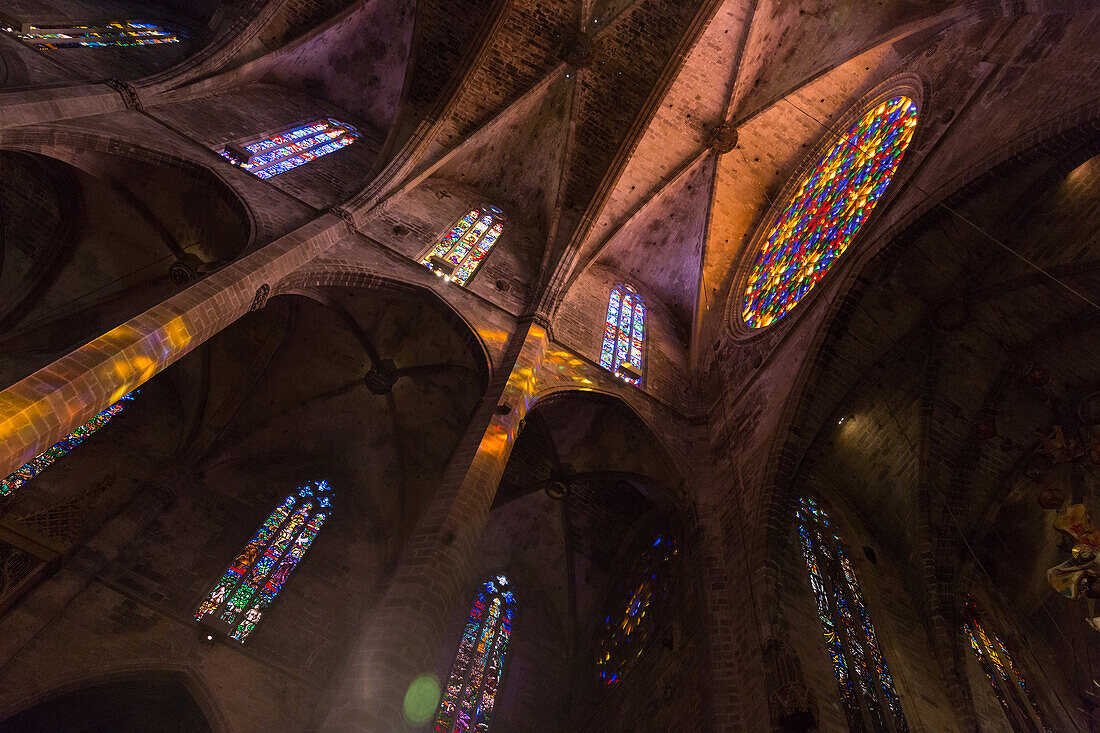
284,330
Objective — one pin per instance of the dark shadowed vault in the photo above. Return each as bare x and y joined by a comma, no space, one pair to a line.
232,267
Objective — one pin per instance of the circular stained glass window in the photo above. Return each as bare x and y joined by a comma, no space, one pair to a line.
826,210
633,610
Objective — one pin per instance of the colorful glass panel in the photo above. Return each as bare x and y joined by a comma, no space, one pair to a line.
633,612
280,153
251,583
43,460
624,333
471,690
1009,685
458,253
125,33
866,685
825,212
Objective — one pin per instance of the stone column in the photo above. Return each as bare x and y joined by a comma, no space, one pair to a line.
44,407
402,637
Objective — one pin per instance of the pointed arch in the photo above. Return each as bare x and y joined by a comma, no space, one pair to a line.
470,694
624,334
867,691
459,253
43,460
1005,677
237,603
269,156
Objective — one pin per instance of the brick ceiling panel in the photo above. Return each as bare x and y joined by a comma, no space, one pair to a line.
693,107
517,159
527,47
446,29
792,42
358,63
661,246
630,56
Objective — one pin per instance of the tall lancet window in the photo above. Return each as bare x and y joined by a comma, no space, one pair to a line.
467,703
123,33
1004,675
867,691
270,156
624,334
43,460
458,254
252,582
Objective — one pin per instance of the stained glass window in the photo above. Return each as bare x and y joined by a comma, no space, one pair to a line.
251,583
471,691
624,334
826,211
633,610
1004,675
458,254
867,691
43,460
297,146
124,33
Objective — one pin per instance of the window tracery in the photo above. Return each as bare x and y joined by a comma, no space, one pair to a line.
270,156
633,613
251,583
122,33
1004,675
46,458
826,210
867,691
459,253
624,334
470,694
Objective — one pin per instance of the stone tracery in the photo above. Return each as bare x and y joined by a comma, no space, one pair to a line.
487,428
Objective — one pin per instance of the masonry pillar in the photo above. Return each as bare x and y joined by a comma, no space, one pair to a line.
402,636
44,407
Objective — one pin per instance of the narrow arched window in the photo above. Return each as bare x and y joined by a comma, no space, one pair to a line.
824,210
123,33
471,691
1004,675
43,460
634,610
291,148
252,582
867,691
460,252
624,334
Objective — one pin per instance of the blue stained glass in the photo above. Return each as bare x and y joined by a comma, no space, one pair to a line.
252,582
826,210
280,153
459,253
45,459
124,33
624,333
850,637
470,693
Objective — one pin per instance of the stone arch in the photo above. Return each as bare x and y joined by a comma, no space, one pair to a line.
648,418
171,680
825,380
306,282
795,448
67,146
